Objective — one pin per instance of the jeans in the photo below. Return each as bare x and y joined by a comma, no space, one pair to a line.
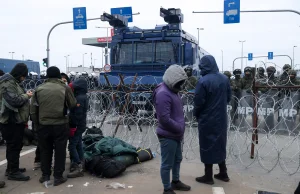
75,148
13,135
53,137
171,157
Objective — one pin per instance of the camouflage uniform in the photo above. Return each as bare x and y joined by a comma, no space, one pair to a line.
270,80
237,82
191,82
292,80
261,74
284,76
247,80
228,74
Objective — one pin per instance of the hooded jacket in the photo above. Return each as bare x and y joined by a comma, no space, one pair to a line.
212,95
13,101
78,114
168,104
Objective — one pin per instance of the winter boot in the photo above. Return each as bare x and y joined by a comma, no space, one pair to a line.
170,191
78,172
59,181
22,170
26,141
180,186
18,176
207,178
223,176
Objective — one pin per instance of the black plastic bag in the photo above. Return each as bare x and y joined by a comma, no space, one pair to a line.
127,160
144,155
103,166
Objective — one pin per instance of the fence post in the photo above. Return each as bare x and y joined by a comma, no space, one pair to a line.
255,117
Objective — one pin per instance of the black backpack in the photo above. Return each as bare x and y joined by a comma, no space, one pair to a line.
103,166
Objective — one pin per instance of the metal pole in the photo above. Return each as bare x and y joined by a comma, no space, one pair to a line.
106,50
49,33
83,60
255,11
66,64
102,58
198,35
242,54
23,57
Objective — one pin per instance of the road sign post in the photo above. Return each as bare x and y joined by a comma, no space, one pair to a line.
270,55
123,11
231,11
250,56
79,18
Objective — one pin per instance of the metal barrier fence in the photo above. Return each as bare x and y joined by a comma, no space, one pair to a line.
263,127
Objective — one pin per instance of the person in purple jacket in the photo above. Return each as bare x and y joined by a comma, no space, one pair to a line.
171,126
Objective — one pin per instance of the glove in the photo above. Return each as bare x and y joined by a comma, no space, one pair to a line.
72,132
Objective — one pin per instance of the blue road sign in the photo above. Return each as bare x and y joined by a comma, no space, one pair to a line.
231,11
124,11
79,18
250,56
270,55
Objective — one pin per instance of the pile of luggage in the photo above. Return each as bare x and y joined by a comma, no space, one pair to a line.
109,157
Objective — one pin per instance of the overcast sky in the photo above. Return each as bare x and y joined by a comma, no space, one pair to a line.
24,26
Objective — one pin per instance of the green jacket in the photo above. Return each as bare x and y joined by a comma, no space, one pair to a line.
13,100
50,103
190,83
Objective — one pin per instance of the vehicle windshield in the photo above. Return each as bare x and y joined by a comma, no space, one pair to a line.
145,52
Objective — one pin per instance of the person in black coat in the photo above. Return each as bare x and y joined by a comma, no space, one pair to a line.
78,121
212,94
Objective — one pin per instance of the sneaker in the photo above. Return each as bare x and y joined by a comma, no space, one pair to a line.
2,184
180,186
44,179
18,176
59,181
222,176
22,170
170,191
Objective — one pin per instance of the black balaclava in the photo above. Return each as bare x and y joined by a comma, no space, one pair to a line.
53,72
20,70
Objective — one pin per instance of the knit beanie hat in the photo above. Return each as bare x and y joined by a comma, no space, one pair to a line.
53,72
19,70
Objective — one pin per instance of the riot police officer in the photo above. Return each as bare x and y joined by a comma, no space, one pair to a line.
261,73
247,80
285,75
191,82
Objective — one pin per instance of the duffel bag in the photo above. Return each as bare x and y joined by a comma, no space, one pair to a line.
144,155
